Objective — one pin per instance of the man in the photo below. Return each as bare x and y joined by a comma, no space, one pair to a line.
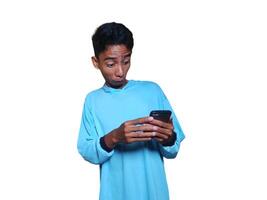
116,131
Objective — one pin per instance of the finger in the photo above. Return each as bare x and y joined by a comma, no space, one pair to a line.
161,123
160,135
164,131
147,134
142,120
140,134
138,140
167,125
144,127
158,139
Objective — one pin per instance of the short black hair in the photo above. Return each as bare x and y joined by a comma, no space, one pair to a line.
111,34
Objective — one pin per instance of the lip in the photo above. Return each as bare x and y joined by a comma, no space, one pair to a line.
119,81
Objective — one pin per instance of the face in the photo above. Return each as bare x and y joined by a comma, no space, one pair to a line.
114,64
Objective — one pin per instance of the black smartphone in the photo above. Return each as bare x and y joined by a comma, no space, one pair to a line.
162,115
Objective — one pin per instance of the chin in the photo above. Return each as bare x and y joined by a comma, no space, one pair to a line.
118,84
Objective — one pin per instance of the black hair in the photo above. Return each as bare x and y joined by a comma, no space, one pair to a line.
111,34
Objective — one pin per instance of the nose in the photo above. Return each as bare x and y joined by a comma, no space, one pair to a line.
119,71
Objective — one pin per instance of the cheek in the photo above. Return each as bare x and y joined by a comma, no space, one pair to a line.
108,72
126,68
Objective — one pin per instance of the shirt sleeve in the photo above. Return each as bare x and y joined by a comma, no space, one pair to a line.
89,141
171,151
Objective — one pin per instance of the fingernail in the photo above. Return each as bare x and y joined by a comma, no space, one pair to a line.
150,118
155,128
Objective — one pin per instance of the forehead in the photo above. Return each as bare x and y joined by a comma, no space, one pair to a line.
115,51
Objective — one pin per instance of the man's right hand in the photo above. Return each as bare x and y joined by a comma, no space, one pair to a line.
137,130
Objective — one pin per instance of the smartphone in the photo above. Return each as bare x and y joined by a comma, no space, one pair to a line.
162,115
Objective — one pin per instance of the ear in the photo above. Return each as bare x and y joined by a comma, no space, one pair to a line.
95,62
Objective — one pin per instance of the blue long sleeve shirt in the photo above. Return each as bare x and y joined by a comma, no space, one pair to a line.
132,171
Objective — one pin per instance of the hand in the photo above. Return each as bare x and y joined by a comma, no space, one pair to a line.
163,132
137,130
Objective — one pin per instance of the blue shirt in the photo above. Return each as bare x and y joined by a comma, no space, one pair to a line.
132,171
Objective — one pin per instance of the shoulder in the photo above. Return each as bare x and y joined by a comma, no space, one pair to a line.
92,95
148,85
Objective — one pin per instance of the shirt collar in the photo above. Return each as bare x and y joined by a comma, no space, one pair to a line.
109,89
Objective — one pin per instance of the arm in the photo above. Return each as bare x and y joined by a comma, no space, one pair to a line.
172,150
89,141
137,130
167,138
97,149
170,147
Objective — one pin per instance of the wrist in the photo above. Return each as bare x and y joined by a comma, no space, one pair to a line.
104,145
111,140
171,140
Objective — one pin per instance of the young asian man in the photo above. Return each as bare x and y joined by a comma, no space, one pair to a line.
116,130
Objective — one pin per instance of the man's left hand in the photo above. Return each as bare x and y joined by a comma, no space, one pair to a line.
163,132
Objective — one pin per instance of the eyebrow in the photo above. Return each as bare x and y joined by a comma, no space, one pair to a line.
128,55
110,58
113,58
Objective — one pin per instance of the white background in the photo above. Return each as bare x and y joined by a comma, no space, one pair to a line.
208,56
